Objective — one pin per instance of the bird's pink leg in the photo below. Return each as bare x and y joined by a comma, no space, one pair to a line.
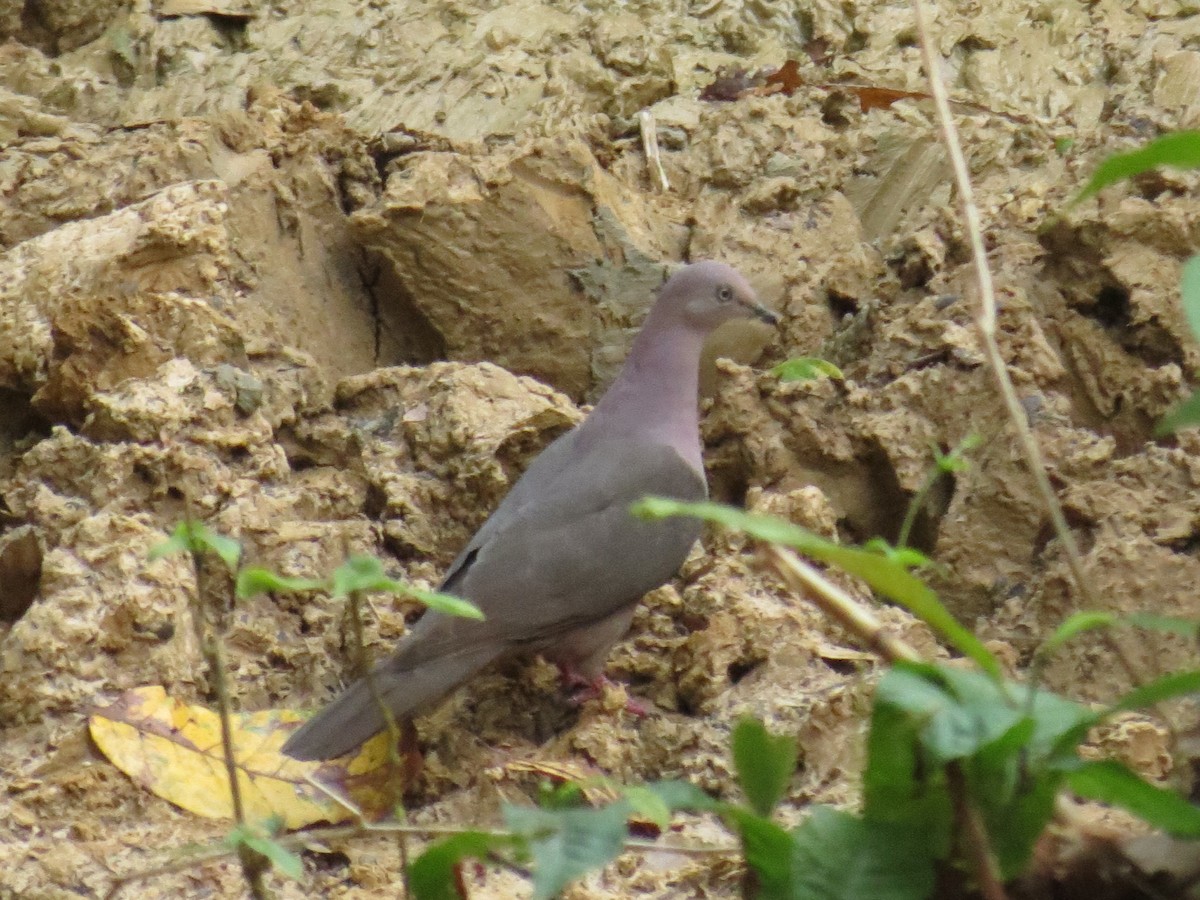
593,689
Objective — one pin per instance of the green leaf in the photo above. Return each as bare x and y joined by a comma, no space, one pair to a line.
1010,752
646,804
1076,624
902,556
569,843
953,726
432,876
1189,293
282,860
1080,622
836,856
765,764
769,853
225,547
1180,150
362,574
955,460
1111,782
806,368
443,603
1178,684
178,542
1185,415
365,574
1170,624
899,787
195,538
682,796
256,580
883,575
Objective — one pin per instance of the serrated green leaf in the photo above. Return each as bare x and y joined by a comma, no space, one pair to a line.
806,368
953,725
764,762
1180,150
256,580
431,876
898,786
569,843
1185,415
1111,782
768,850
836,856
882,574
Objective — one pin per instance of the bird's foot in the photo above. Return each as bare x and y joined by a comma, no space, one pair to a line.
587,689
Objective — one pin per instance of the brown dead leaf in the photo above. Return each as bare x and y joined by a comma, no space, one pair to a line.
880,97
173,749
734,84
786,79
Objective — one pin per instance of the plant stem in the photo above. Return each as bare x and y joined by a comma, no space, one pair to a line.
253,863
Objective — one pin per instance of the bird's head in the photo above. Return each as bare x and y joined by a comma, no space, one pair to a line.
707,294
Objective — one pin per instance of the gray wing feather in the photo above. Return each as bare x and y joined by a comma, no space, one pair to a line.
566,553
562,550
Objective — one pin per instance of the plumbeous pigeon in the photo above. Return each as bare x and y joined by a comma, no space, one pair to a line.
561,564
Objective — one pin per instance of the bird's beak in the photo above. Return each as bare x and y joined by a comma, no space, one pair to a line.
763,314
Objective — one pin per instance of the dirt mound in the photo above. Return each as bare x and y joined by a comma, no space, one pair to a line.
329,273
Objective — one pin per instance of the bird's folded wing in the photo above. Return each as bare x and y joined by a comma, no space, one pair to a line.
569,553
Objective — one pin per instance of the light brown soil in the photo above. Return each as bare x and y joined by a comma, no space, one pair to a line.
328,273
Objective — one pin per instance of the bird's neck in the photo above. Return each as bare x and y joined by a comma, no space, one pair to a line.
655,396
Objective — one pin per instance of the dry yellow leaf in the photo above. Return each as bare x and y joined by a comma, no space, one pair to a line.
173,749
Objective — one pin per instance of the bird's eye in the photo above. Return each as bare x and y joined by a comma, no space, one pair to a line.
724,293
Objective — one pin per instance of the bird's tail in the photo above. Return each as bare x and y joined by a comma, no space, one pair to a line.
355,716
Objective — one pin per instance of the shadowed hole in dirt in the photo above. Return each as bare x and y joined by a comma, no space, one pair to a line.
882,512
403,335
741,668
328,860
20,572
1111,308
841,305
19,421
846,667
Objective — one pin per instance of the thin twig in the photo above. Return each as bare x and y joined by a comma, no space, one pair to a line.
986,323
974,835
649,129
366,671
209,628
300,839
805,580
